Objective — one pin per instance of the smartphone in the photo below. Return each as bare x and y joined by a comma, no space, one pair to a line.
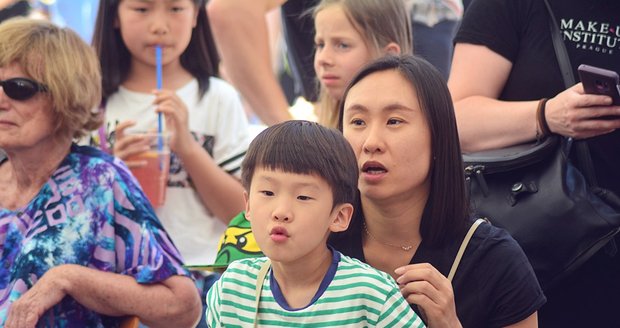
600,81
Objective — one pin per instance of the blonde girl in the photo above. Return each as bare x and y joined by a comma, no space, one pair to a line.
350,34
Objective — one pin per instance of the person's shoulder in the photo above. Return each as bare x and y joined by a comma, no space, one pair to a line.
487,232
91,156
484,17
246,268
241,277
254,263
220,96
94,167
221,86
362,272
497,269
494,246
359,283
491,238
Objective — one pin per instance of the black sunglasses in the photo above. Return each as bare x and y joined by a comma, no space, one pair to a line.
20,88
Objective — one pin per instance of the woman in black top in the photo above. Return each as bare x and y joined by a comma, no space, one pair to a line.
503,65
413,212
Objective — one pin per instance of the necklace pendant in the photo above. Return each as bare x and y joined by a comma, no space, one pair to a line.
404,248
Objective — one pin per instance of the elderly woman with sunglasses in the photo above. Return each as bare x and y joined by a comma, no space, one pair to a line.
80,246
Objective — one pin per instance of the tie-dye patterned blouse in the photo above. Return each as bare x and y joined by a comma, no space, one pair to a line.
90,212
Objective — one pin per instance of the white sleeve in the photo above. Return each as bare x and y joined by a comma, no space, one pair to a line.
232,129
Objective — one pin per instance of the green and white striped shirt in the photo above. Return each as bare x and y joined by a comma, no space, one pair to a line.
353,294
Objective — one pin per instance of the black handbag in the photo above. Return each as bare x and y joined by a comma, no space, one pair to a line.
537,194
556,212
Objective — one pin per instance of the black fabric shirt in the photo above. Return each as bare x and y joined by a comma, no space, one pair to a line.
298,27
494,285
20,8
518,30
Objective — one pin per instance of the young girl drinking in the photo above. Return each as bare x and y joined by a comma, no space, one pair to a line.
203,114
349,34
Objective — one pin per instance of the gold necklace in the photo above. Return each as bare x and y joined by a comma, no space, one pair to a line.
404,248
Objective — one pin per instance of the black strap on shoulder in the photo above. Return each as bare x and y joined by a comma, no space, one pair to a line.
582,155
560,49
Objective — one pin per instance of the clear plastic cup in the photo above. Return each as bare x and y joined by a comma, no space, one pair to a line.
153,177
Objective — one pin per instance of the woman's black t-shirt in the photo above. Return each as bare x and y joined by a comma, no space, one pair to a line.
494,285
518,30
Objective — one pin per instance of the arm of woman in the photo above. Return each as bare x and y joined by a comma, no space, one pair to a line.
476,80
241,34
174,302
487,123
423,285
529,322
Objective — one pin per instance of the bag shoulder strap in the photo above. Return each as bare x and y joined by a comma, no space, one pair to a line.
260,278
582,156
459,254
560,49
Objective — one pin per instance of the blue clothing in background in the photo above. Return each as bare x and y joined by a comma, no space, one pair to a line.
79,15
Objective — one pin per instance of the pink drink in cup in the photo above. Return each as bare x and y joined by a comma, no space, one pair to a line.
153,177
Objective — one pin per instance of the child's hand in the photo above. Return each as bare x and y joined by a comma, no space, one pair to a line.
128,145
175,111
423,285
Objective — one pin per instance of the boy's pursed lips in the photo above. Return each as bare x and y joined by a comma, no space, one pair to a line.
279,231
279,234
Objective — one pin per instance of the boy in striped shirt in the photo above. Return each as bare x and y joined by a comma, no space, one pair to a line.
301,181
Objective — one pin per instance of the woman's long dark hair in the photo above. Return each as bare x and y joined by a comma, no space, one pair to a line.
446,214
200,58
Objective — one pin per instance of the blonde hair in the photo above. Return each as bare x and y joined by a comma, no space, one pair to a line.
379,22
66,65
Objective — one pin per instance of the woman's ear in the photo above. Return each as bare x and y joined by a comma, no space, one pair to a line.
392,49
341,217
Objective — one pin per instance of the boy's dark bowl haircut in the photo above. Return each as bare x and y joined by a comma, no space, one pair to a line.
305,147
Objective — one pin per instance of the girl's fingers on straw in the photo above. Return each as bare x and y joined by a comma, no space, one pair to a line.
164,96
173,108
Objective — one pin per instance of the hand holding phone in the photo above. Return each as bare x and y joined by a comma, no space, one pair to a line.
600,81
